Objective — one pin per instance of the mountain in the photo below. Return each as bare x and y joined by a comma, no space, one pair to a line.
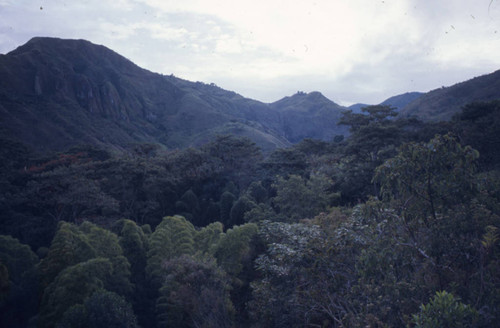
442,104
356,108
397,102
309,115
57,93
402,100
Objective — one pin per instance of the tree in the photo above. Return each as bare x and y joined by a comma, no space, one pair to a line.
195,293
226,202
69,247
134,244
477,126
107,246
233,248
73,244
430,177
445,310
441,212
106,310
72,286
297,198
173,237
206,239
18,282
257,192
238,156
374,138
102,309
238,210
284,162
277,294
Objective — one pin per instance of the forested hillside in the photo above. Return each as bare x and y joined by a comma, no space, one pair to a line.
395,226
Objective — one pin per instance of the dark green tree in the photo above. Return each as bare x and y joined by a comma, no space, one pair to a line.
69,247
226,202
240,207
234,248
102,309
71,287
195,293
106,309
206,239
19,282
445,310
297,198
173,237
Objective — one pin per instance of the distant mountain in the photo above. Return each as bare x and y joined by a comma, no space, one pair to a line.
57,93
356,108
402,100
442,104
309,115
397,102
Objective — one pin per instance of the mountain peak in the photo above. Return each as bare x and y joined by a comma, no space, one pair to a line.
80,53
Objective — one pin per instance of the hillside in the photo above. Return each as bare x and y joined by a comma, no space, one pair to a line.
397,102
320,113
442,104
392,227
57,93
402,100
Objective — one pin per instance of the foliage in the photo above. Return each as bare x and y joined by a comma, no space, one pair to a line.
277,295
477,126
426,219
437,174
444,310
195,293
173,237
233,248
297,198
73,244
107,309
102,309
206,239
18,281
72,286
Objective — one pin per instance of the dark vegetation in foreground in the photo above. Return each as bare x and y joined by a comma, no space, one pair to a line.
396,226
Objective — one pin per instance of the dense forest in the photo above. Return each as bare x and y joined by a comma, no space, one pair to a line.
396,225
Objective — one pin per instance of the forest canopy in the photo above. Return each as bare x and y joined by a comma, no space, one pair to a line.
395,226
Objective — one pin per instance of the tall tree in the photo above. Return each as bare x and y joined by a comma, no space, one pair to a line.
72,286
19,282
195,293
173,237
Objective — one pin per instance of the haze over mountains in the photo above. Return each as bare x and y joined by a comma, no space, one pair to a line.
57,93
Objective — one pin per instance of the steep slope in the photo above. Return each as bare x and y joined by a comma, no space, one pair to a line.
442,104
309,115
56,93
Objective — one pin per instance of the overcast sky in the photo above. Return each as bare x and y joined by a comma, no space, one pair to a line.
350,50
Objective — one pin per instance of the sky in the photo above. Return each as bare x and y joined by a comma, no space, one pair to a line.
352,51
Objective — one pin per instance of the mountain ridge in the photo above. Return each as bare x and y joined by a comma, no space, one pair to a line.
57,93
443,103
